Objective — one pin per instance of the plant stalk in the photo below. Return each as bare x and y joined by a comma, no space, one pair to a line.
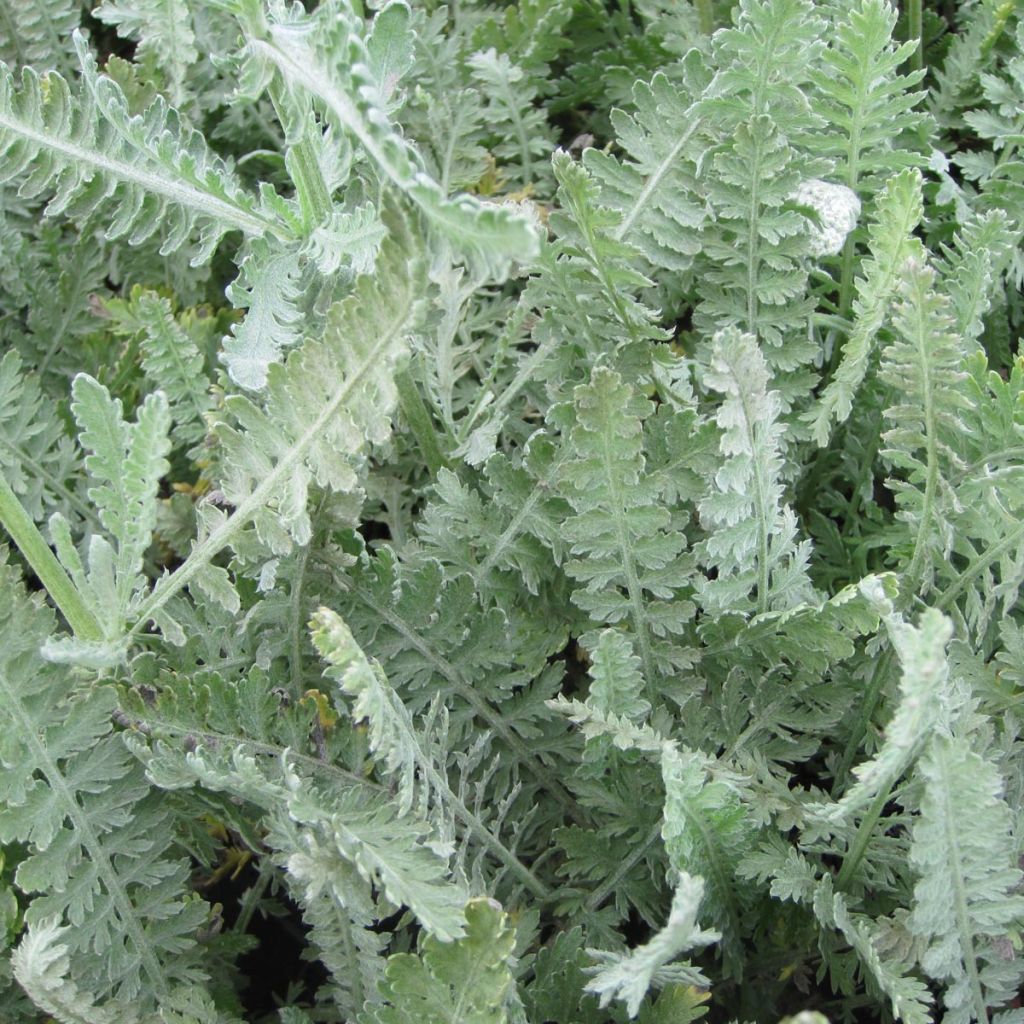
915,33
418,417
310,187
64,594
862,839
301,162
706,15
868,705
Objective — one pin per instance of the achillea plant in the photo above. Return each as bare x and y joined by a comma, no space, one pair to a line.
513,512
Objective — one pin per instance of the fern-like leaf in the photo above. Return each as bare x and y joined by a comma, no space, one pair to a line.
320,409
488,235
41,965
164,37
907,994
513,118
468,981
629,553
506,531
654,186
171,359
37,33
969,54
863,96
972,268
98,844
37,458
628,977
891,243
617,685
322,833
404,753
967,896
350,239
432,636
149,171
924,365
925,700
706,831
752,542
588,238
268,287
125,463
755,247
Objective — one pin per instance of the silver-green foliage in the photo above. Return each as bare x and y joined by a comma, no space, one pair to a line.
150,172
38,33
532,489
99,843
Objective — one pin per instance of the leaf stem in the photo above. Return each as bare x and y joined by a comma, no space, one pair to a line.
861,841
301,160
252,896
915,32
418,418
867,710
706,15
64,594
310,187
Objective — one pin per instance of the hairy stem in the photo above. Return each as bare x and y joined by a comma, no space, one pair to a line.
64,594
706,15
861,841
418,418
310,187
300,157
868,704
915,32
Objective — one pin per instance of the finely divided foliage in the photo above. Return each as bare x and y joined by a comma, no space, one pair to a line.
512,512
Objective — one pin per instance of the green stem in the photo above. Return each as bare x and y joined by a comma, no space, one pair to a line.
310,187
845,292
915,32
626,864
18,523
252,897
867,710
978,565
300,160
297,620
418,417
862,839
706,15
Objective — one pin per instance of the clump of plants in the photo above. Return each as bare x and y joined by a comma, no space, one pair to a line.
514,512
